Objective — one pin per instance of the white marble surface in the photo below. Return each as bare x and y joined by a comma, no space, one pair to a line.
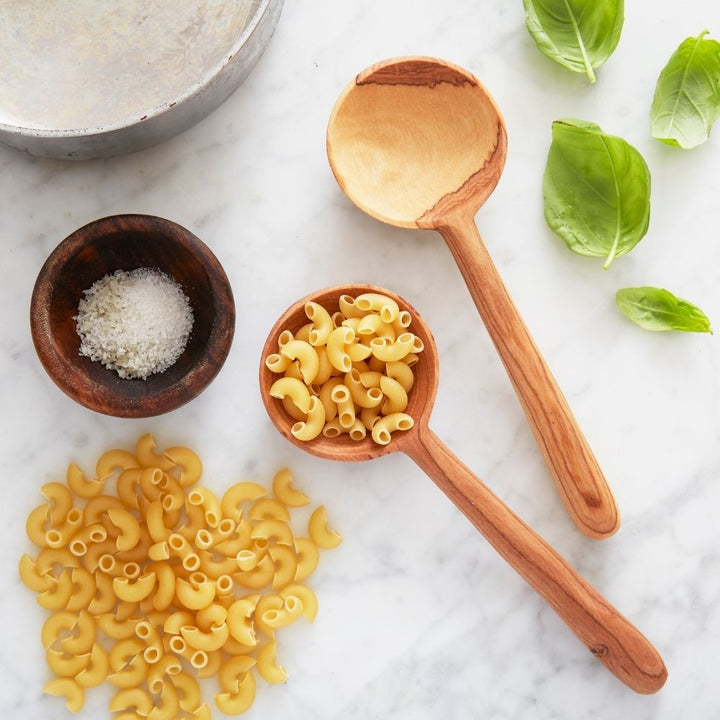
419,618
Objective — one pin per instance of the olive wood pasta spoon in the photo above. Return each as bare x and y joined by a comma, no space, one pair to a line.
419,143
599,626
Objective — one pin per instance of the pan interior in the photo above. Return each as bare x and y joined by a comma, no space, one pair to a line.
77,64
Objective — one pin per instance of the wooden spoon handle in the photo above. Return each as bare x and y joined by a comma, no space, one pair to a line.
576,472
600,627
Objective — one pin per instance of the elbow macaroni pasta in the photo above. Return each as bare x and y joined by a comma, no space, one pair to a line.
159,581
351,371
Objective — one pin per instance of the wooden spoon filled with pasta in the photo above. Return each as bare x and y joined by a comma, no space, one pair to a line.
419,143
351,373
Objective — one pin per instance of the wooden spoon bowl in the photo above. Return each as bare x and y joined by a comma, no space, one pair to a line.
342,448
418,142
605,632
126,242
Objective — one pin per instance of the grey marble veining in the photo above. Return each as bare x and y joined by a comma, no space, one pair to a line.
419,618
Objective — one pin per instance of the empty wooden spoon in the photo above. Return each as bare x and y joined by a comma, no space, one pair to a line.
600,627
419,143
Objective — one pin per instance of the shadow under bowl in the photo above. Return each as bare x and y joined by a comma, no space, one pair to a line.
127,242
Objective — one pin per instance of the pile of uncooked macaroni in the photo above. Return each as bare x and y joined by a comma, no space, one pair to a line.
157,582
348,372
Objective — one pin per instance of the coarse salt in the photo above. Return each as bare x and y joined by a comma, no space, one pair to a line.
136,323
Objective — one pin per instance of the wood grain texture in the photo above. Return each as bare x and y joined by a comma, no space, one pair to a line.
409,131
601,628
126,242
609,636
418,142
574,468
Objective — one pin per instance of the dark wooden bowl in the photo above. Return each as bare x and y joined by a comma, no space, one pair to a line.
126,242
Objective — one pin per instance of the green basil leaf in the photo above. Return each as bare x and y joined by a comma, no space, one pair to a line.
578,34
687,95
596,189
659,310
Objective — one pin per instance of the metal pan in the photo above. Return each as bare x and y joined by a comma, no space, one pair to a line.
85,79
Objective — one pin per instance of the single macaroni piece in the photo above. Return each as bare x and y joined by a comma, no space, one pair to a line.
239,620
190,697
387,351
70,689
196,593
267,666
373,324
84,589
294,389
396,397
348,308
132,673
232,672
36,523
289,611
59,594
96,670
129,698
154,582
236,495
207,500
318,530
32,578
80,485
375,302
347,370
322,324
134,590
338,341
60,499
362,396
169,705
129,528
238,702
308,557
285,560
282,486
127,487
189,463
213,639
148,458
382,430
64,665
306,356
306,597
259,577
312,426
113,460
